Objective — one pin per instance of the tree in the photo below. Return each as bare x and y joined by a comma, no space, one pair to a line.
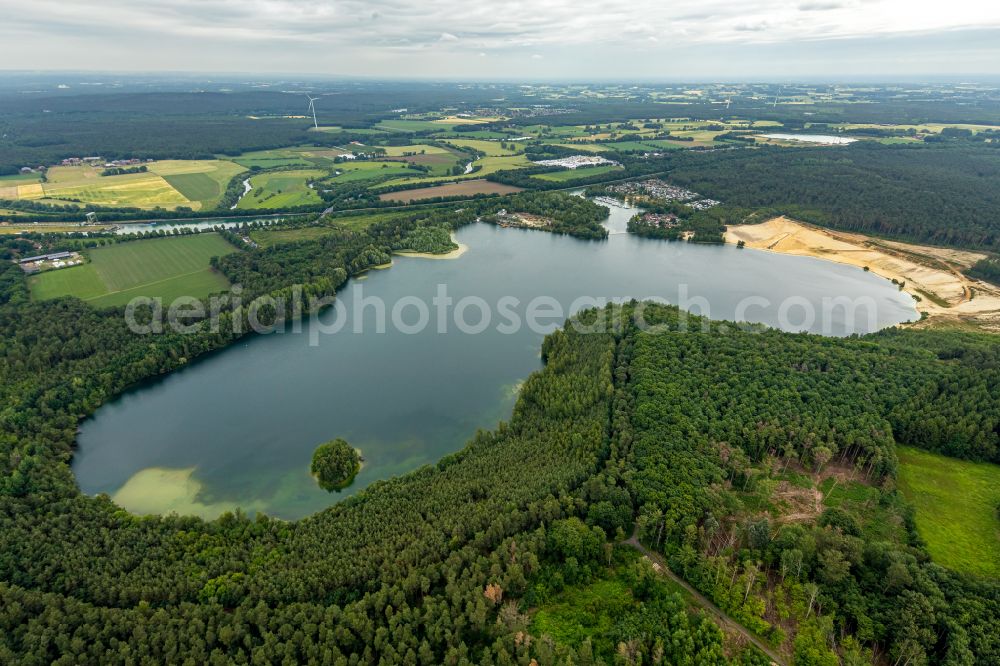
335,464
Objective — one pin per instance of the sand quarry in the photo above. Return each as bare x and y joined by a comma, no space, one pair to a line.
933,275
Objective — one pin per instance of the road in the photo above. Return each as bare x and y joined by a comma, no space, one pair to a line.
719,615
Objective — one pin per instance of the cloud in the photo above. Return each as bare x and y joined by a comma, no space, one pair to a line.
748,27
361,36
820,6
552,23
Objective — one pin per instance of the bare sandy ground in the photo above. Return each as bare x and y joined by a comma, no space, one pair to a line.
932,275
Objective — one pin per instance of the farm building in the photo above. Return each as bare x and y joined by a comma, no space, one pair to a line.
55,256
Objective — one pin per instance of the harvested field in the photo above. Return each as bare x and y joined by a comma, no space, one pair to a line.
465,188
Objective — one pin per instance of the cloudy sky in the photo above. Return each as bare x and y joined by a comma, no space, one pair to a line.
581,39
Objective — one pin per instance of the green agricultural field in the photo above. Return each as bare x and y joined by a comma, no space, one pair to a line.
489,148
925,128
477,134
415,149
627,146
18,179
438,159
956,505
408,126
582,146
574,174
557,130
59,175
282,189
700,137
159,267
492,164
140,190
353,131
666,144
201,181
351,172
196,184
296,156
487,166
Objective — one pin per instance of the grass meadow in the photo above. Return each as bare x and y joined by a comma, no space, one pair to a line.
416,125
574,174
489,148
487,165
282,189
956,505
157,267
351,172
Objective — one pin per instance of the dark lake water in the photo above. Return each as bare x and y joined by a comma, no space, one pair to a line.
238,427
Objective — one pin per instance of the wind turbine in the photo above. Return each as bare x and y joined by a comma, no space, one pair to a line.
312,107
729,100
776,98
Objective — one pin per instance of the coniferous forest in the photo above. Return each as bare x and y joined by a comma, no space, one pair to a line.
940,193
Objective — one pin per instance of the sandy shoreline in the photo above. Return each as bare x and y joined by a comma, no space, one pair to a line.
164,490
933,275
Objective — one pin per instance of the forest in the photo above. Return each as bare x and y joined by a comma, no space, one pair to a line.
717,410
944,194
986,269
570,215
195,125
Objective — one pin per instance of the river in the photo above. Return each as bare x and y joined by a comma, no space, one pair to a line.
237,428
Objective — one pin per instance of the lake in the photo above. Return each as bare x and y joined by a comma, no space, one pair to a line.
237,428
825,139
